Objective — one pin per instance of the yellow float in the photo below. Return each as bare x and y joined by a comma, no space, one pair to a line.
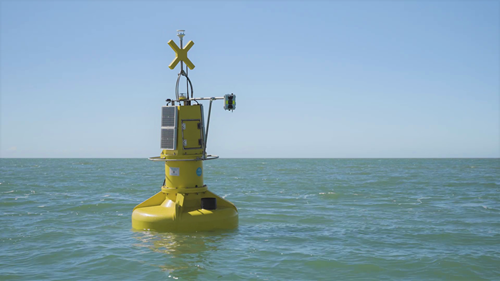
184,202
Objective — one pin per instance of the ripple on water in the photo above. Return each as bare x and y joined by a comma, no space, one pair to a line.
302,219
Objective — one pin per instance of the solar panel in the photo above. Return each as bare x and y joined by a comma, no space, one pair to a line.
168,114
169,127
167,138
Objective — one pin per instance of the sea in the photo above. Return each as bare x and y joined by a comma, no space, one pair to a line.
299,219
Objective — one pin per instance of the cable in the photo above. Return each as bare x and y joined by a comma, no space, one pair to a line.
190,84
187,88
188,81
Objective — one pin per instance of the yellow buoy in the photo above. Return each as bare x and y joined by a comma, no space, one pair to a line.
184,202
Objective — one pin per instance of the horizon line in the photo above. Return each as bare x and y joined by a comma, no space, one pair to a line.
260,158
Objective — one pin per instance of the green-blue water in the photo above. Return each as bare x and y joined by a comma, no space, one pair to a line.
300,219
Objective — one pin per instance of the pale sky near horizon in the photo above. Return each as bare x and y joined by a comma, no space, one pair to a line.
330,79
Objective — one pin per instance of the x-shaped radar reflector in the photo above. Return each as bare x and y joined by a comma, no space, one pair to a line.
181,54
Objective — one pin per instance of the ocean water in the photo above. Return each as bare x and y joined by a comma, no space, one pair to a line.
300,219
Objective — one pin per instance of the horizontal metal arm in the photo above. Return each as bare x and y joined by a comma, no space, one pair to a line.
206,98
212,98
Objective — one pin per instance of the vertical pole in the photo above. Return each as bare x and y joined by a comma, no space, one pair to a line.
208,126
182,64
180,33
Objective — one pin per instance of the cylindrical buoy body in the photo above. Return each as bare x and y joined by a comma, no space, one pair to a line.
184,202
183,174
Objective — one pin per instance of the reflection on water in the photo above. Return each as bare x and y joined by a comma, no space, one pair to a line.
183,254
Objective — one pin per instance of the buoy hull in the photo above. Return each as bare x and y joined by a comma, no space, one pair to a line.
182,212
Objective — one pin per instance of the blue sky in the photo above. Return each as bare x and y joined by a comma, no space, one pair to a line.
313,79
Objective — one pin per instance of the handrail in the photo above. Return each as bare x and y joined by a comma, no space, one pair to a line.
159,159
